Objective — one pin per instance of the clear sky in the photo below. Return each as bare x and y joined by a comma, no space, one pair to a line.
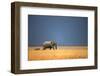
65,30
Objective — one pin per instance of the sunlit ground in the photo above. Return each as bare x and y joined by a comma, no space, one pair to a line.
62,52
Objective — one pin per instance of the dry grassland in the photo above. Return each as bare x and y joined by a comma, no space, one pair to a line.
63,52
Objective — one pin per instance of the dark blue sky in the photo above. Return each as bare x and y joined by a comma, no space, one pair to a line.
65,30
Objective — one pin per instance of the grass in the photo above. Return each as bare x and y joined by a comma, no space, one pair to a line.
63,52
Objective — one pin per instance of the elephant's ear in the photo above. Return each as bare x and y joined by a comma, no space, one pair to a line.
51,42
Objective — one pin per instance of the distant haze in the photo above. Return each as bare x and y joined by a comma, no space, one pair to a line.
65,30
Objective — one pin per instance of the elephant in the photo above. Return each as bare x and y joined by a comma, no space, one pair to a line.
50,45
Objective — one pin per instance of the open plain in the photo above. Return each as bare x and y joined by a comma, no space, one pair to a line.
62,52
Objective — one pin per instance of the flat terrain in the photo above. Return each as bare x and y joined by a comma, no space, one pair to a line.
62,52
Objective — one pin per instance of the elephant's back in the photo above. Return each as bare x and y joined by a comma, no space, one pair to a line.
47,43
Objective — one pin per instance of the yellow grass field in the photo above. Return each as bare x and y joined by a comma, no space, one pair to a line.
62,52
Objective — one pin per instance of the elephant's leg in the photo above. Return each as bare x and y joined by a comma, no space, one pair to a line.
44,48
50,48
55,46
